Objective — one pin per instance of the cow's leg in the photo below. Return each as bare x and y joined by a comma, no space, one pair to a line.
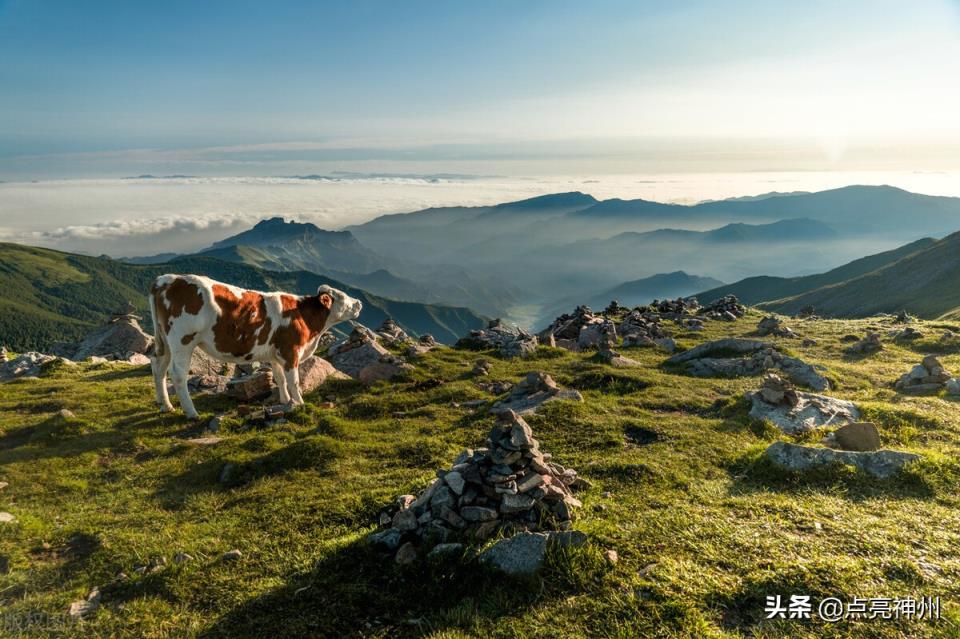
281,381
179,370
293,385
160,364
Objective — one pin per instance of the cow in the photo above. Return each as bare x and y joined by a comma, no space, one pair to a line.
235,325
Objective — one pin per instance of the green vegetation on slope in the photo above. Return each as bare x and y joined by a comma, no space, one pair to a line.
704,529
48,296
754,290
926,283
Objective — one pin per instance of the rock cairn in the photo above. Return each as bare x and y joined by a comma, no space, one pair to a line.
391,333
869,344
778,391
582,329
614,309
771,325
928,376
640,328
673,309
481,368
807,312
508,487
425,344
727,308
510,341
909,333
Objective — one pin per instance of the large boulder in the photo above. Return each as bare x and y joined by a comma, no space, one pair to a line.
719,359
118,338
879,463
362,357
535,390
796,412
27,364
314,371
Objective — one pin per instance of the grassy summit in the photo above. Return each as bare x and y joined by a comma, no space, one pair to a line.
704,528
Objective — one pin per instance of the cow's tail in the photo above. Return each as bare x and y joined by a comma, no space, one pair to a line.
159,337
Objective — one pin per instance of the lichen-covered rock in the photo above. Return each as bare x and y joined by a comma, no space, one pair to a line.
879,463
796,412
536,389
510,341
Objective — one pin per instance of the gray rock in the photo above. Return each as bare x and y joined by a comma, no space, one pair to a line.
521,554
478,513
811,411
728,345
406,554
455,481
232,555
445,550
881,463
389,538
405,520
85,607
859,436
953,386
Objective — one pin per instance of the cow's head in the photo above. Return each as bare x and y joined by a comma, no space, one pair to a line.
342,307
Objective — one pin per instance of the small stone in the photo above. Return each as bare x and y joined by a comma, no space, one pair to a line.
406,554
611,557
389,538
529,482
232,555
215,422
385,519
405,521
84,607
6,518
478,513
444,550
455,481
516,504
182,558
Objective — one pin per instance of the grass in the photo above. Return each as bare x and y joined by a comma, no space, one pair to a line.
705,529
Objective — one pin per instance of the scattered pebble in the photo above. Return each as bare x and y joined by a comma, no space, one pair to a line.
232,555
611,556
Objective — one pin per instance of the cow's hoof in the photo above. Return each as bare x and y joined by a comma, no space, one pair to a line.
166,409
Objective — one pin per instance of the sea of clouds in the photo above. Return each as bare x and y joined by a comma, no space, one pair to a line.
146,216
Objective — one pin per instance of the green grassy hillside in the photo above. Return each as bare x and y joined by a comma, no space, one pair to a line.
48,296
753,290
926,283
705,530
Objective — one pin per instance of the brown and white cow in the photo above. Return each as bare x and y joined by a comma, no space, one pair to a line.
235,325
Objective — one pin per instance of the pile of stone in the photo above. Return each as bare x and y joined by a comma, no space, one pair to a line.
640,328
533,391
909,333
796,412
727,308
481,368
510,341
807,312
737,357
391,333
508,487
866,346
120,338
363,358
25,365
772,325
929,376
614,309
582,330
673,309
425,344
691,323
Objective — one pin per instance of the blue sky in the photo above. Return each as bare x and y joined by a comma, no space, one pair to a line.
114,88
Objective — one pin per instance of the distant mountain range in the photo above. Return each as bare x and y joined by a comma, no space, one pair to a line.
48,296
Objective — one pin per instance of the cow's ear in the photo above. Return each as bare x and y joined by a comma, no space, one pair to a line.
326,300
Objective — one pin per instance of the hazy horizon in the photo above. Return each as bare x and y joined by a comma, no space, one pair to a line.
125,217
